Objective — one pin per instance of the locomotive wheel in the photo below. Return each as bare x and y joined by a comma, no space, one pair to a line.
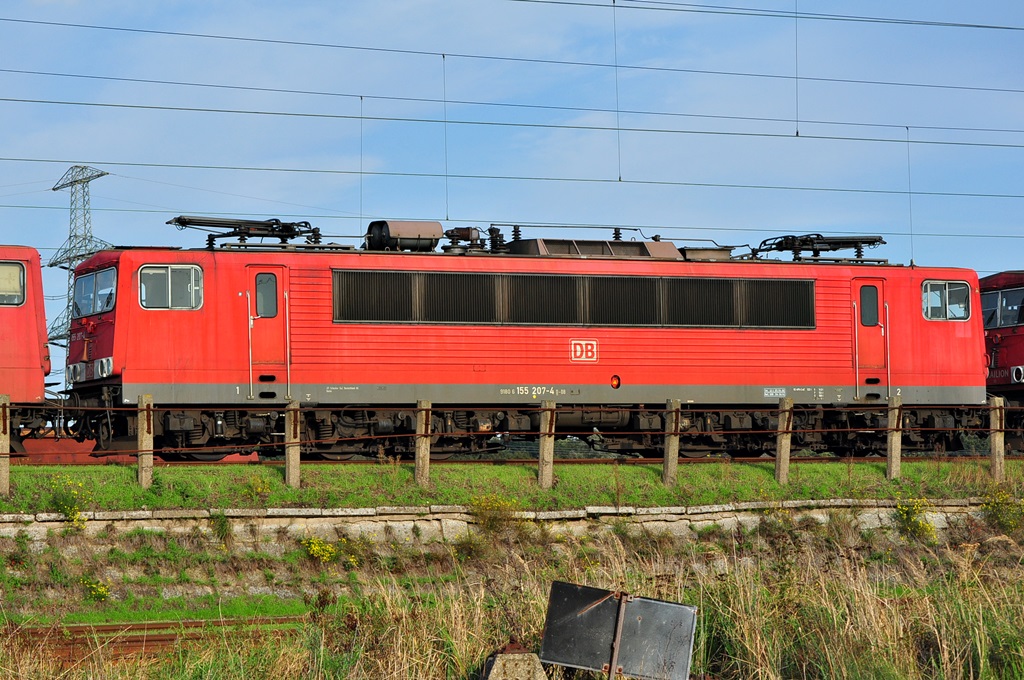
326,455
696,453
204,456
103,436
436,457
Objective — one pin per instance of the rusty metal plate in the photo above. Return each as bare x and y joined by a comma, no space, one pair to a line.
657,639
654,640
580,627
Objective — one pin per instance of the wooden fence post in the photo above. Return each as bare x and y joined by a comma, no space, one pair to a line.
894,439
997,439
546,449
144,440
292,448
423,443
5,445
670,469
783,439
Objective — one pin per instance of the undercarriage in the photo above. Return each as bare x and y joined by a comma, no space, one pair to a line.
340,433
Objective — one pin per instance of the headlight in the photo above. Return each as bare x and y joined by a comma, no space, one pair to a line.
76,372
103,368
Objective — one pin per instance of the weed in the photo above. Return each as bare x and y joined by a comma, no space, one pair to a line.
910,521
1002,510
21,556
69,497
320,550
221,527
353,552
95,589
468,546
493,512
258,488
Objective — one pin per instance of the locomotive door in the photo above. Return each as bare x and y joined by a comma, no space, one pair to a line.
267,306
871,332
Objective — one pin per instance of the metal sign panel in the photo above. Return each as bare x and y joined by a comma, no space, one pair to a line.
657,639
580,627
608,631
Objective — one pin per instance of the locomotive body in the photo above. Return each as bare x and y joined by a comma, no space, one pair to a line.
223,338
24,353
1002,296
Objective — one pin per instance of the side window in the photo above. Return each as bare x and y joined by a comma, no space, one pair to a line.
869,305
946,300
1010,304
266,296
171,286
12,284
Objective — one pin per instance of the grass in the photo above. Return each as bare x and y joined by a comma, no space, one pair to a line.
783,600
787,599
113,487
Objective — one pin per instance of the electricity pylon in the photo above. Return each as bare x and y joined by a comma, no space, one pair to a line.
80,244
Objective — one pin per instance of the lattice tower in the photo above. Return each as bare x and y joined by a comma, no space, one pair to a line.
80,244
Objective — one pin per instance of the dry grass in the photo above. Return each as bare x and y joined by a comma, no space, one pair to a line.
783,601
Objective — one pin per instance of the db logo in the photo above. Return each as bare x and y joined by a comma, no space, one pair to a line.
583,350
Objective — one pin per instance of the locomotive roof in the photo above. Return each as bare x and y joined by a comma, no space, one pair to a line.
1010,279
424,237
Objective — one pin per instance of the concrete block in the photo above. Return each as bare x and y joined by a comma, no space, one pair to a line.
294,512
598,510
671,510
398,510
547,515
516,667
709,509
449,509
244,512
348,512
454,529
181,514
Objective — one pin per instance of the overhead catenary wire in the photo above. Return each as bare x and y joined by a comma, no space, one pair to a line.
728,10
618,129
492,57
511,178
505,220
508,124
513,105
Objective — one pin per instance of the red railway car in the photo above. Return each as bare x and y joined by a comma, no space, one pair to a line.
24,353
223,337
1002,296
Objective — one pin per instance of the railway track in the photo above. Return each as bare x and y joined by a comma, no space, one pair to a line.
76,644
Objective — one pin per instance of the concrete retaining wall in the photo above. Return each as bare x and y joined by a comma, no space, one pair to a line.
445,523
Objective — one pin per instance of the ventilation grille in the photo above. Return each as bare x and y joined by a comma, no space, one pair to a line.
525,299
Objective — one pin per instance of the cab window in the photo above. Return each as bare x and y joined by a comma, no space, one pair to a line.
12,284
94,292
946,300
1003,307
990,309
173,286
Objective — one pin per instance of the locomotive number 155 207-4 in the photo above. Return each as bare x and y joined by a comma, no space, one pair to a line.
532,391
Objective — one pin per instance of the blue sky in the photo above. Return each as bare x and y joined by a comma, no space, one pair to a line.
675,118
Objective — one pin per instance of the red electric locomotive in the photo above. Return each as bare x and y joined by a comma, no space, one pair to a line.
1002,296
224,337
24,353
1002,301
